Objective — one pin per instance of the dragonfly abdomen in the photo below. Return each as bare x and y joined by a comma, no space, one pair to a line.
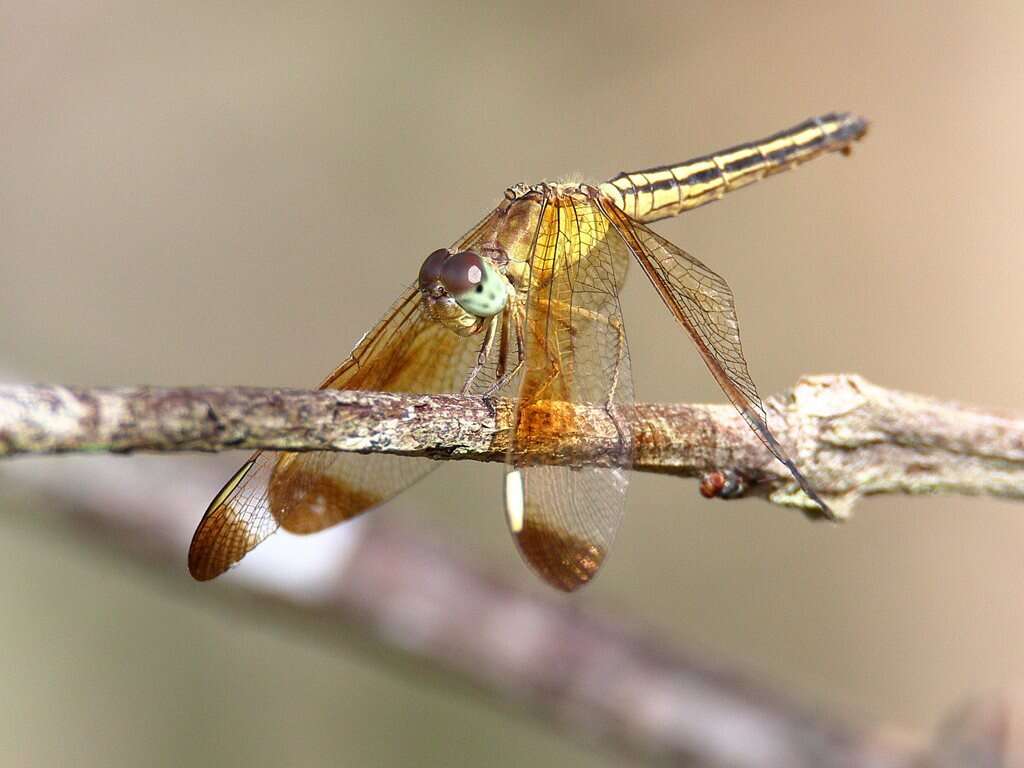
668,190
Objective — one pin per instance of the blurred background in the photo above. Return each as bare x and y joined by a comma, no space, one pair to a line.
231,193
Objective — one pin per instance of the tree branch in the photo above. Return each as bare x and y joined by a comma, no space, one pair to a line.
850,437
419,601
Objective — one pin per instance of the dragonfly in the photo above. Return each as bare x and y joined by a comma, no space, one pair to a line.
527,303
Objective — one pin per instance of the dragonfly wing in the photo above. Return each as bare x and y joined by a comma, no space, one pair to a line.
236,521
703,303
407,351
564,518
306,492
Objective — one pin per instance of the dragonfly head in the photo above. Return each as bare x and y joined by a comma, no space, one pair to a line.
462,290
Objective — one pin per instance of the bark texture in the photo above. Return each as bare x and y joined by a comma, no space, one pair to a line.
850,437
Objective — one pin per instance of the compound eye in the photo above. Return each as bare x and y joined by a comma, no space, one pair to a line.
430,272
463,272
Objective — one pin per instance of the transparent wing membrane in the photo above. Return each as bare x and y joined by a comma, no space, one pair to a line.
703,304
564,518
408,351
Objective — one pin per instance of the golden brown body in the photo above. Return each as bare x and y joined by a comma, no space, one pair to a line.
559,252
668,190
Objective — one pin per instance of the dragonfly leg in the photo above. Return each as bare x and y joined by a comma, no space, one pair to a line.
482,355
625,433
620,353
502,363
515,317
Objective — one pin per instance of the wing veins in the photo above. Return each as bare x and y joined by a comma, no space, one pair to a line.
742,394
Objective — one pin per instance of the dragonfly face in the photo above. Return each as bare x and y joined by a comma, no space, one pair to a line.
462,290
526,304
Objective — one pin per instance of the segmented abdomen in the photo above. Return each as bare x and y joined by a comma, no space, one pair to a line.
657,193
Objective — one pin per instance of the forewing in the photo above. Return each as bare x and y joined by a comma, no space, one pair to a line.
564,517
703,303
306,492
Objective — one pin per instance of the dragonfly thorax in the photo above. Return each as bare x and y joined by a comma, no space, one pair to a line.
462,290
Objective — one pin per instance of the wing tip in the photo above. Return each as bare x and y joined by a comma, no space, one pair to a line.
824,511
221,527
199,570
562,560
207,557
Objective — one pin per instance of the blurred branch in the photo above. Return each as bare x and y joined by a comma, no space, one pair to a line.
850,437
419,602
